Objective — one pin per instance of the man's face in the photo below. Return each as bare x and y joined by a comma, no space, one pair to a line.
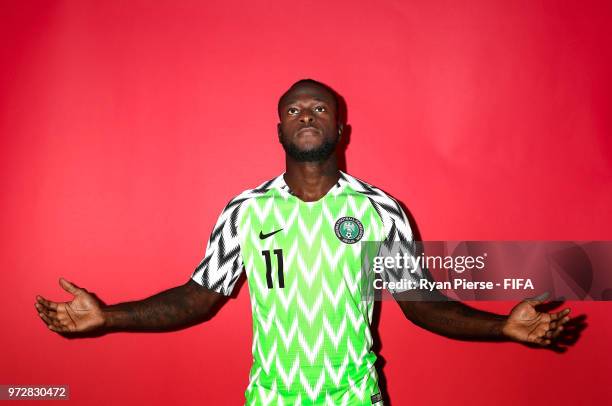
308,128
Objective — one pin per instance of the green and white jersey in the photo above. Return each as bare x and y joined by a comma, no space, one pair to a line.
311,324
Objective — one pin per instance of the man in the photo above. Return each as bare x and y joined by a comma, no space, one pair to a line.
296,236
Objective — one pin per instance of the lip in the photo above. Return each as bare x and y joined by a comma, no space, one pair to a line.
309,129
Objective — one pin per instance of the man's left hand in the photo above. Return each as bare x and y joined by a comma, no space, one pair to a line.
526,324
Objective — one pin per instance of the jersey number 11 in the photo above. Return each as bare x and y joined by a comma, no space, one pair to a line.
279,262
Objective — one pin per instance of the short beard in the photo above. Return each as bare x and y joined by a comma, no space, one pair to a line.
319,154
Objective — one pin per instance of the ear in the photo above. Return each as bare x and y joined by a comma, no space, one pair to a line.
278,130
340,130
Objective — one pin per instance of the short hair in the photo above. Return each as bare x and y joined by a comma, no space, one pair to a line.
302,82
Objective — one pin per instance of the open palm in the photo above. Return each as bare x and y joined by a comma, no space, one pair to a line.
526,324
82,314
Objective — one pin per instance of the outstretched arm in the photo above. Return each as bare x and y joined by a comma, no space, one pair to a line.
174,308
457,320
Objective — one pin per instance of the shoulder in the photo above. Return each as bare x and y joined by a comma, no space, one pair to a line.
382,201
392,215
231,214
261,190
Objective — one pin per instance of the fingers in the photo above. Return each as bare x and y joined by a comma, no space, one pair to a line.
547,332
46,319
541,340
557,332
45,308
51,320
534,301
42,309
55,315
69,287
57,323
48,313
56,320
553,333
47,304
562,315
557,321
561,318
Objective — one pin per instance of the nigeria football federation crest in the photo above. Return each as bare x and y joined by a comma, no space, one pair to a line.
348,230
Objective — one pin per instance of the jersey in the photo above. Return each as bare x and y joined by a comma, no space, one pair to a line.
312,342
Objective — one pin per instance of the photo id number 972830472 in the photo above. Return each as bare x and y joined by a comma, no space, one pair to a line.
34,392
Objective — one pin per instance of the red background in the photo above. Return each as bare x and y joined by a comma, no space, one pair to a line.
126,126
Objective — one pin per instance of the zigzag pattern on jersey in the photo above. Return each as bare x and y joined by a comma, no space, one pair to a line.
399,237
222,265
311,339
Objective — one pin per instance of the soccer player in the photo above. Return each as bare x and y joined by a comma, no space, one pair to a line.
297,236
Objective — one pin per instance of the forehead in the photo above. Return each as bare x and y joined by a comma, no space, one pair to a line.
307,92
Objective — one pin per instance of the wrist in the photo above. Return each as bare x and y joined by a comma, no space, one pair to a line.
107,318
506,330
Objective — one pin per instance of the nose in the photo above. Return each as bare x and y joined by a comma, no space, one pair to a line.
307,117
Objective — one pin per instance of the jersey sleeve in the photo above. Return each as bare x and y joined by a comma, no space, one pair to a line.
398,240
222,263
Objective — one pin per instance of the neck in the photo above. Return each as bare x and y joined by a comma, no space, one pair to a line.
310,181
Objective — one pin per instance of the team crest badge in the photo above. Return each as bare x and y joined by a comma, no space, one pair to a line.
348,230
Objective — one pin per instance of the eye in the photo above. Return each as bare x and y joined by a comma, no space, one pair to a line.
292,111
319,109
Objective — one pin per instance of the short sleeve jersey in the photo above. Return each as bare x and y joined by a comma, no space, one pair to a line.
312,342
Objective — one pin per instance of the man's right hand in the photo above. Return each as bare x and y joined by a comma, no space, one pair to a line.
82,314
172,309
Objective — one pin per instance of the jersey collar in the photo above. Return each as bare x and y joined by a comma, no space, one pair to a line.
280,184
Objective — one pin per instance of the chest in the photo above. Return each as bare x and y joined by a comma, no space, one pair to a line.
314,248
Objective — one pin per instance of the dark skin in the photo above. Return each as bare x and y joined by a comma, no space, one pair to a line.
308,118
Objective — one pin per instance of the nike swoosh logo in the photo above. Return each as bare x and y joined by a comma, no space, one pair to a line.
263,236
